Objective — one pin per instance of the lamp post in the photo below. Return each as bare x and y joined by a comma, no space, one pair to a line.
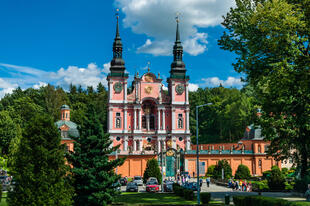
197,151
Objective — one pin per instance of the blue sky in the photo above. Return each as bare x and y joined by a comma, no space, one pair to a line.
62,42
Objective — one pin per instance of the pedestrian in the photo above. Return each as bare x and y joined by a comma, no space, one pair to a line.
193,174
208,181
200,183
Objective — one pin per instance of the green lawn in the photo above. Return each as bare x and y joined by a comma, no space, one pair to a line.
3,199
134,198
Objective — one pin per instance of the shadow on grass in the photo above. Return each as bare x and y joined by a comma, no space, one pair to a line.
127,198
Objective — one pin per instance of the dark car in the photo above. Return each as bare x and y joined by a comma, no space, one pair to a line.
123,181
152,186
191,186
168,186
132,187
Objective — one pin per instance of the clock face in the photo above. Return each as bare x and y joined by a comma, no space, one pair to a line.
118,87
179,89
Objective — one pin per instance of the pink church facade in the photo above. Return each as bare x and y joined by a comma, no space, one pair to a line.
144,119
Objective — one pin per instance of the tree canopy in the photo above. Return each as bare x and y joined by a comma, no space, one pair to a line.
271,41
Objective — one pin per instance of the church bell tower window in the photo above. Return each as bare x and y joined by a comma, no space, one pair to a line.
180,121
118,121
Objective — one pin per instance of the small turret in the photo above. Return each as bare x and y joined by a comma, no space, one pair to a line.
65,112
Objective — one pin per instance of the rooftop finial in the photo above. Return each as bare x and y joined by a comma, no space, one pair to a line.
117,17
148,66
177,18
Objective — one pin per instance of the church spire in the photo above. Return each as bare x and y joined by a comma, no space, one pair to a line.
177,67
117,63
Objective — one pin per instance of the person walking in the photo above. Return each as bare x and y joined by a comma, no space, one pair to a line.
208,180
200,183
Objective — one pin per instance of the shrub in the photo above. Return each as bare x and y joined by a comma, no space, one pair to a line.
210,171
177,189
0,192
259,201
260,185
301,185
188,194
222,164
276,180
266,174
284,171
239,200
152,170
205,197
242,172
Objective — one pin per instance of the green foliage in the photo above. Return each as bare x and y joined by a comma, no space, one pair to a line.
225,120
301,185
205,197
93,172
222,164
210,171
242,172
263,201
152,170
260,186
271,40
8,131
188,194
276,180
39,168
177,189
284,171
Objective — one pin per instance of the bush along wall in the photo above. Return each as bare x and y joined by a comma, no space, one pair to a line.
205,197
264,201
185,193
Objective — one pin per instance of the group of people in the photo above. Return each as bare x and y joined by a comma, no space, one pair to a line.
241,185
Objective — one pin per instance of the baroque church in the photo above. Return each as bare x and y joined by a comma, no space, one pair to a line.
148,122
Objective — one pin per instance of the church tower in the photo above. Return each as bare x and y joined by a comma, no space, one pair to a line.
178,91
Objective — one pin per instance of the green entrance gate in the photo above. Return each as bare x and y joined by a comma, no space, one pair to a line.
170,166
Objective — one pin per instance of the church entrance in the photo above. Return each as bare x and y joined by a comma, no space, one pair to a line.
171,169
174,162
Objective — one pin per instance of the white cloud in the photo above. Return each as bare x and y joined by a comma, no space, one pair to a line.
156,19
106,68
229,82
90,76
39,85
192,87
165,88
6,87
157,48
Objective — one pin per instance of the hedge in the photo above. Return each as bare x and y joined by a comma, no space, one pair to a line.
180,191
188,194
264,201
205,197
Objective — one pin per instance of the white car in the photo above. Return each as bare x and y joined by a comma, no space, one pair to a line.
138,180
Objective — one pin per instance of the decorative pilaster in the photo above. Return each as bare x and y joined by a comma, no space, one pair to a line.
134,119
140,144
140,119
134,144
188,143
186,93
125,92
174,140
110,118
187,121
164,121
173,119
158,119
125,120
158,145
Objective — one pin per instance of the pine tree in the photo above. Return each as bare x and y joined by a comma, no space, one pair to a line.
39,168
152,170
93,172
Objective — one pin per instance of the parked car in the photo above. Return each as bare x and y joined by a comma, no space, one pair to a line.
123,181
168,186
152,179
132,187
191,186
117,186
152,186
138,180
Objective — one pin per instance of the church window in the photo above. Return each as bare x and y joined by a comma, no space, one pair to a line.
118,138
180,139
63,115
144,122
259,163
180,121
118,120
152,122
66,115
259,149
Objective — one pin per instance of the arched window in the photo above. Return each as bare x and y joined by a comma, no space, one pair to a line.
259,149
260,163
144,122
152,122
